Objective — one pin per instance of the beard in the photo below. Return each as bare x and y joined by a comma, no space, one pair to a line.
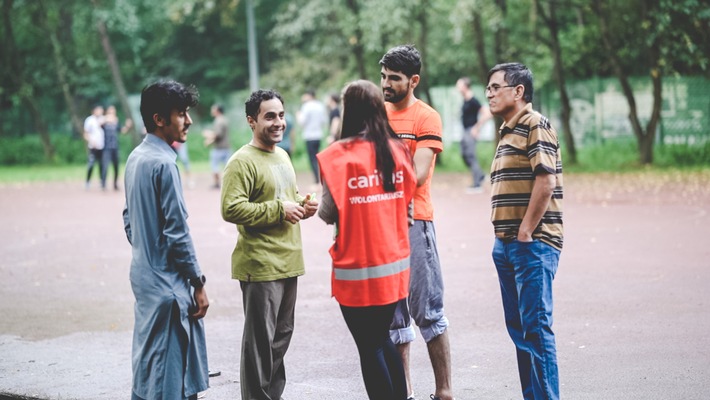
393,97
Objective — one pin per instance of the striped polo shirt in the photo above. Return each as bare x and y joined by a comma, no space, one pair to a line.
528,146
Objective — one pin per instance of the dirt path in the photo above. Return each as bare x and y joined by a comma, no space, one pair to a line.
631,294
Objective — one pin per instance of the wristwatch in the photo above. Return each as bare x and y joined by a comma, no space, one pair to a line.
198,282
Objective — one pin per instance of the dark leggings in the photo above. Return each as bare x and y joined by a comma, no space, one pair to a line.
380,361
110,157
96,158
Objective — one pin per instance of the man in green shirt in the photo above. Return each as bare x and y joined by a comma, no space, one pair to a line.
260,196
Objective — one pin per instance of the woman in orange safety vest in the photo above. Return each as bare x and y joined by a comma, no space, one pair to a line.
368,184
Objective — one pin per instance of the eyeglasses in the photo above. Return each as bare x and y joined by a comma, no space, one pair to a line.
495,88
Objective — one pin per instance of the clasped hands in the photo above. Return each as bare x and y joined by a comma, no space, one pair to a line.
295,212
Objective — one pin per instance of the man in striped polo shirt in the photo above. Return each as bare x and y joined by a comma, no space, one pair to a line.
526,178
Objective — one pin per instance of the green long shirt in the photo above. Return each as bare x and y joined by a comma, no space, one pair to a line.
255,185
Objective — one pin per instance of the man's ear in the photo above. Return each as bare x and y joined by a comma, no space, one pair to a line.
159,121
414,81
519,92
251,122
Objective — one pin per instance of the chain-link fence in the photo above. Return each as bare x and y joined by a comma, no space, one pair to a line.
600,111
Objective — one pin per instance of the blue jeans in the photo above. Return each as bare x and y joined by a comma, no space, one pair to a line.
526,272
425,303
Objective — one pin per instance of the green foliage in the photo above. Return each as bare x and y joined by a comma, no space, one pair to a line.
24,150
621,155
319,44
682,155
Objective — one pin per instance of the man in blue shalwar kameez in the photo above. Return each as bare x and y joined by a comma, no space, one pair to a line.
169,350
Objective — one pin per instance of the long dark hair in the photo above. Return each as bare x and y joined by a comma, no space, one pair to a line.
364,115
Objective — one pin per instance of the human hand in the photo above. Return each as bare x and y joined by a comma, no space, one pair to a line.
475,131
202,303
293,212
310,204
524,237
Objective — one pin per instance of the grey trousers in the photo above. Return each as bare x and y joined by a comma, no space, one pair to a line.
468,152
268,327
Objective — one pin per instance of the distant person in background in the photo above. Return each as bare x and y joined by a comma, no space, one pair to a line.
287,142
169,348
95,141
473,117
313,117
112,127
184,156
334,106
218,138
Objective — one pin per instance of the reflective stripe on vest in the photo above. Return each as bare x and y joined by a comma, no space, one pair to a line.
378,271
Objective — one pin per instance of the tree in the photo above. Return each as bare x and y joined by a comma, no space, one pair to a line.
663,37
645,136
115,70
17,80
50,28
548,14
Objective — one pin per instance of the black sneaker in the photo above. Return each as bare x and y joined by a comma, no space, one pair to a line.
432,397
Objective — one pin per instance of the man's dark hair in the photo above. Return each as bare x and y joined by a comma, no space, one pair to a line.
405,59
219,107
516,74
162,98
254,102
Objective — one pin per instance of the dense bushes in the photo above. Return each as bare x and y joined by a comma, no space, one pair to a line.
611,156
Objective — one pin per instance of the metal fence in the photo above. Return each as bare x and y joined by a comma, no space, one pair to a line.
600,111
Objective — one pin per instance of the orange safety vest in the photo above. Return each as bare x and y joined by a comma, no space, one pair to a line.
371,251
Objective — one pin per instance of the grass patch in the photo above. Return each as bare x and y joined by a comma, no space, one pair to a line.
613,156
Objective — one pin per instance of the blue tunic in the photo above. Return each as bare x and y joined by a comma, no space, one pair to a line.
169,351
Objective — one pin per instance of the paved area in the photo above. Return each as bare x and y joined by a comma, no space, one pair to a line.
631,295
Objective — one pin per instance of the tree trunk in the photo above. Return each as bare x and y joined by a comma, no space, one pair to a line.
550,18
358,49
61,68
649,139
423,39
500,37
29,100
480,46
116,74
644,137
23,88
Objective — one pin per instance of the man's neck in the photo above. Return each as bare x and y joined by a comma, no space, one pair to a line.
262,146
509,116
